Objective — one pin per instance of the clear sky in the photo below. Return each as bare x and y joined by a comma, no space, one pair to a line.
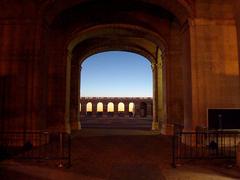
116,74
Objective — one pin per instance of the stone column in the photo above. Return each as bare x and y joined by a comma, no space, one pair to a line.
149,110
115,113
137,110
94,109
187,75
83,110
166,124
155,123
78,96
74,100
158,111
126,109
68,90
105,113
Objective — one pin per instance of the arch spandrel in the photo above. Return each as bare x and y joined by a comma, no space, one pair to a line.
123,32
181,9
123,35
139,45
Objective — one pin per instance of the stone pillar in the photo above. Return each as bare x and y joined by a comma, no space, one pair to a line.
74,100
149,110
94,109
166,124
68,90
83,110
115,113
155,123
158,113
105,113
126,109
78,96
187,82
137,110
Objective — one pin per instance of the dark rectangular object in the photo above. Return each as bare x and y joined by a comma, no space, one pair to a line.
223,119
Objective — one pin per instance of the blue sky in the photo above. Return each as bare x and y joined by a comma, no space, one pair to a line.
116,74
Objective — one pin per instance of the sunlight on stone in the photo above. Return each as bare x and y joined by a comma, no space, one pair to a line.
131,107
110,107
121,107
89,107
99,107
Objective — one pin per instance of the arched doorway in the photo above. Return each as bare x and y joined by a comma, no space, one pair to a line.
131,109
144,36
110,109
89,109
121,109
99,109
129,44
143,109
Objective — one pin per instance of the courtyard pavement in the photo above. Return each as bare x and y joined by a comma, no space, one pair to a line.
120,155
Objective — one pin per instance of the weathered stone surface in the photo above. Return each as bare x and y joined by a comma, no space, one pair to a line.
43,44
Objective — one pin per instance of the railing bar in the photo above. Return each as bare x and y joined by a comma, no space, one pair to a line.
208,145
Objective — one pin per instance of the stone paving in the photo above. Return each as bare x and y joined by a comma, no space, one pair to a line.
119,155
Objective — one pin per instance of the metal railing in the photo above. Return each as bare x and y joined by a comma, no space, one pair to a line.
204,145
36,146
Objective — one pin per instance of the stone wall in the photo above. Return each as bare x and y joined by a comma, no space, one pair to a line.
141,115
22,68
200,62
214,60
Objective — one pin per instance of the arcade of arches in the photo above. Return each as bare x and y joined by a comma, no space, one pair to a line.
116,112
193,46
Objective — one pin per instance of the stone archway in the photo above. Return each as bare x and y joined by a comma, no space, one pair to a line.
153,34
36,35
115,37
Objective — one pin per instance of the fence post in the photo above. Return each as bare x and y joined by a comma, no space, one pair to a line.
60,165
238,154
173,150
69,150
217,144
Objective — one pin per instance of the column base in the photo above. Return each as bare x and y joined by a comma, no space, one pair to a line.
68,128
167,129
76,125
155,126
79,125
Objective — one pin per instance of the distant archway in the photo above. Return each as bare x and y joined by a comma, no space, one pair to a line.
143,109
121,107
110,107
100,107
131,109
123,37
89,109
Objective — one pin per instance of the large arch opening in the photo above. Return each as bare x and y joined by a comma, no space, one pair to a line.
121,81
152,48
140,35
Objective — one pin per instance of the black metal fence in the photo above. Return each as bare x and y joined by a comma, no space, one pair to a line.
36,146
204,145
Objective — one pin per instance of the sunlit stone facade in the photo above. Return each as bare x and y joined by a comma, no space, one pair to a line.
116,112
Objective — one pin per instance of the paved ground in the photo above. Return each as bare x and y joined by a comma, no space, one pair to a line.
119,155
